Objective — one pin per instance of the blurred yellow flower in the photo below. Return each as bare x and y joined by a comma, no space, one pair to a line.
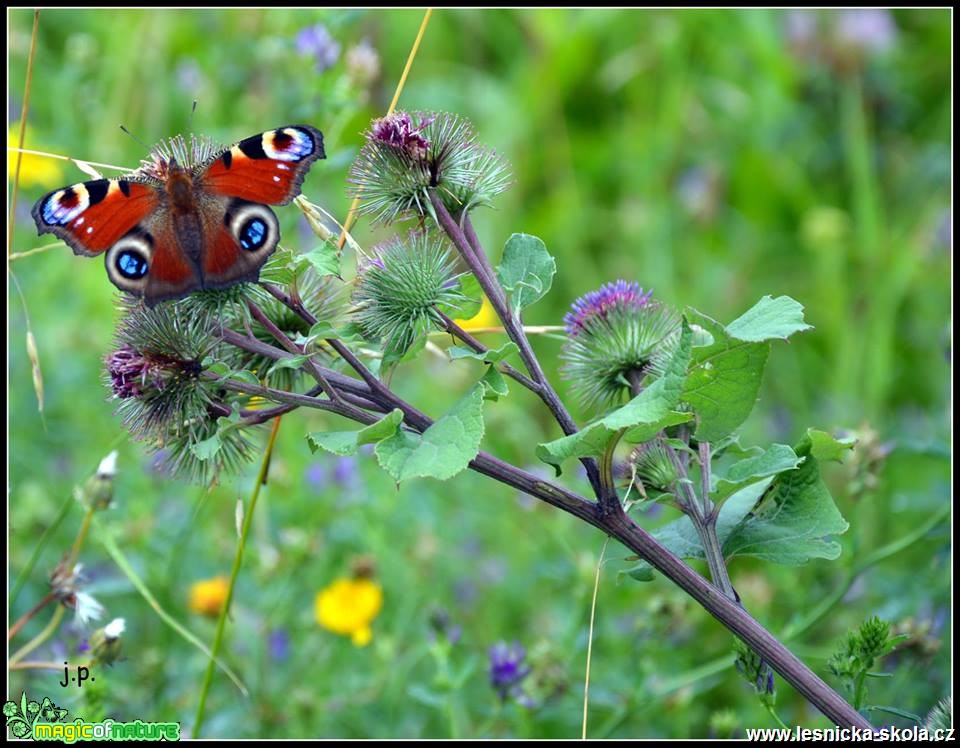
486,317
208,596
34,170
348,607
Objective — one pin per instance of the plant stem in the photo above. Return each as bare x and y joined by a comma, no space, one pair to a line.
611,520
476,259
234,573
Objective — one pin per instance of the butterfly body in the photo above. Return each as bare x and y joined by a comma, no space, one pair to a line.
190,218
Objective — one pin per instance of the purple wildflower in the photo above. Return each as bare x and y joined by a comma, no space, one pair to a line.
129,372
508,668
345,471
278,644
867,29
620,294
316,475
397,131
316,41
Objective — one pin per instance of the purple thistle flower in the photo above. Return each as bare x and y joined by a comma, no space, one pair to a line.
129,371
278,644
397,131
316,41
507,668
619,294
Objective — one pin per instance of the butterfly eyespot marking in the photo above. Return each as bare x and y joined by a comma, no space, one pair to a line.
128,261
287,144
131,264
253,226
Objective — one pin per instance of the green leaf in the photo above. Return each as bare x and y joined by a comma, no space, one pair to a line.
642,572
645,432
345,443
526,270
324,259
290,362
787,519
825,447
793,520
443,450
495,385
494,356
322,329
775,460
469,306
208,448
645,415
283,267
724,380
245,376
769,318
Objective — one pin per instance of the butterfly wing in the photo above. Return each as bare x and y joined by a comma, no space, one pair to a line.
268,168
264,169
92,216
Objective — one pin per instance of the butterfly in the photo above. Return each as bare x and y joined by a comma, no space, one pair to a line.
191,217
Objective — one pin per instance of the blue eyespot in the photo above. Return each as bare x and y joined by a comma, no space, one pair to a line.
253,234
131,264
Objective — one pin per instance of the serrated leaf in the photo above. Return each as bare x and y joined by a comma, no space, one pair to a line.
493,356
769,318
650,411
775,460
324,259
823,446
526,270
723,381
345,443
787,519
793,521
443,450
283,267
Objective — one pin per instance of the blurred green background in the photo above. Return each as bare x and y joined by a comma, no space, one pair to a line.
714,156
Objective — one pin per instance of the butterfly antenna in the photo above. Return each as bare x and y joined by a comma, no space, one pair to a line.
193,109
135,138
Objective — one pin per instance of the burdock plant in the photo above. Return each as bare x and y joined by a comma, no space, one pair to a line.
618,337
670,388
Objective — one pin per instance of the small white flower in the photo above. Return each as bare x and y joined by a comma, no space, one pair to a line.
114,629
108,465
87,608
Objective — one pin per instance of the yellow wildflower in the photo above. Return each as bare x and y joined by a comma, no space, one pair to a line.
348,607
486,317
208,596
34,170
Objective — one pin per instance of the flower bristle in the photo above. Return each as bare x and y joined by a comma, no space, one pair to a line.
408,154
617,336
400,287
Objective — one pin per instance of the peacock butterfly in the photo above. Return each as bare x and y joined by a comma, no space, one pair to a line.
191,217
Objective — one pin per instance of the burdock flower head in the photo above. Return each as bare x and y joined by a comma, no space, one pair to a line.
617,336
156,376
403,288
408,155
